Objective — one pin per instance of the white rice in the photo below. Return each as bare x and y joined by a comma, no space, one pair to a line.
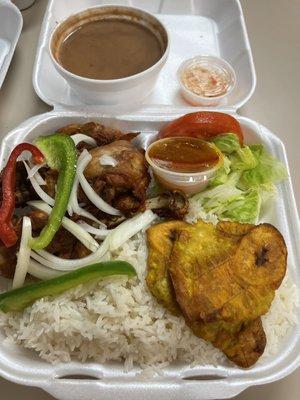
196,212
120,320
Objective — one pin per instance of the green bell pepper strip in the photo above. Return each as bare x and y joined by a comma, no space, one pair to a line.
18,299
60,153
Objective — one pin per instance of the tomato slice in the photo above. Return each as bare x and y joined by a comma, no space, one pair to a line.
204,125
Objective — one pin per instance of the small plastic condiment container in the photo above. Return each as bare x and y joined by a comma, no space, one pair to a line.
188,182
130,90
217,66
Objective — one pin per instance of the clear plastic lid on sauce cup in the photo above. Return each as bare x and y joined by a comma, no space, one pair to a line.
188,182
206,80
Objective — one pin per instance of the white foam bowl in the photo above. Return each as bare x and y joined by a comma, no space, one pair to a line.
130,90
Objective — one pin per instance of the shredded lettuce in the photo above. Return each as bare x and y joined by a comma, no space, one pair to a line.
227,144
243,159
267,169
229,202
245,181
222,173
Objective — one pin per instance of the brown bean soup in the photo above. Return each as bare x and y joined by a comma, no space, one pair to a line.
109,49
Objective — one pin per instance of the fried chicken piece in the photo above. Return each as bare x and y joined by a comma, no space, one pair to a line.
124,185
8,255
23,189
80,251
38,220
129,177
238,288
102,134
171,204
50,176
70,129
127,204
64,244
111,221
8,260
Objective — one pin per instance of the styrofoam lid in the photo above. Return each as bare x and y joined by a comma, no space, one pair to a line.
10,28
195,28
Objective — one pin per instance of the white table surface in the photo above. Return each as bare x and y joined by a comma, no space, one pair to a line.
273,27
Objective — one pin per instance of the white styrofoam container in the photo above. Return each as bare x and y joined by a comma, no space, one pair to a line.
207,27
11,23
196,26
108,381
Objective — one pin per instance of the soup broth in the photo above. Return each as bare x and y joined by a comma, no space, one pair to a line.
110,49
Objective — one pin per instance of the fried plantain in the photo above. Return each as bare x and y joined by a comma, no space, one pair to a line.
242,343
197,249
234,228
245,346
160,243
213,256
237,289
161,238
266,258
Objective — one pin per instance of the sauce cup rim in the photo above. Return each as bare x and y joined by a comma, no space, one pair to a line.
185,174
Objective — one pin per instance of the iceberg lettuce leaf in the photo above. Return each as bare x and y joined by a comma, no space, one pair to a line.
243,159
244,183
228,202
227,144
222,173
268,170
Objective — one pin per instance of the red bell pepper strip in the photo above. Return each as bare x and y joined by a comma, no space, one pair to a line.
7,232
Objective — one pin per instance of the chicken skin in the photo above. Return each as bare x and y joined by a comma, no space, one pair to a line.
128,179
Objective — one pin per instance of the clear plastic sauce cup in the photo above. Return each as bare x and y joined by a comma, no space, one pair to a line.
206,80
188,182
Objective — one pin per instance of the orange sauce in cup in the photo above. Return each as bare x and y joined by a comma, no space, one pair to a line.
184,154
